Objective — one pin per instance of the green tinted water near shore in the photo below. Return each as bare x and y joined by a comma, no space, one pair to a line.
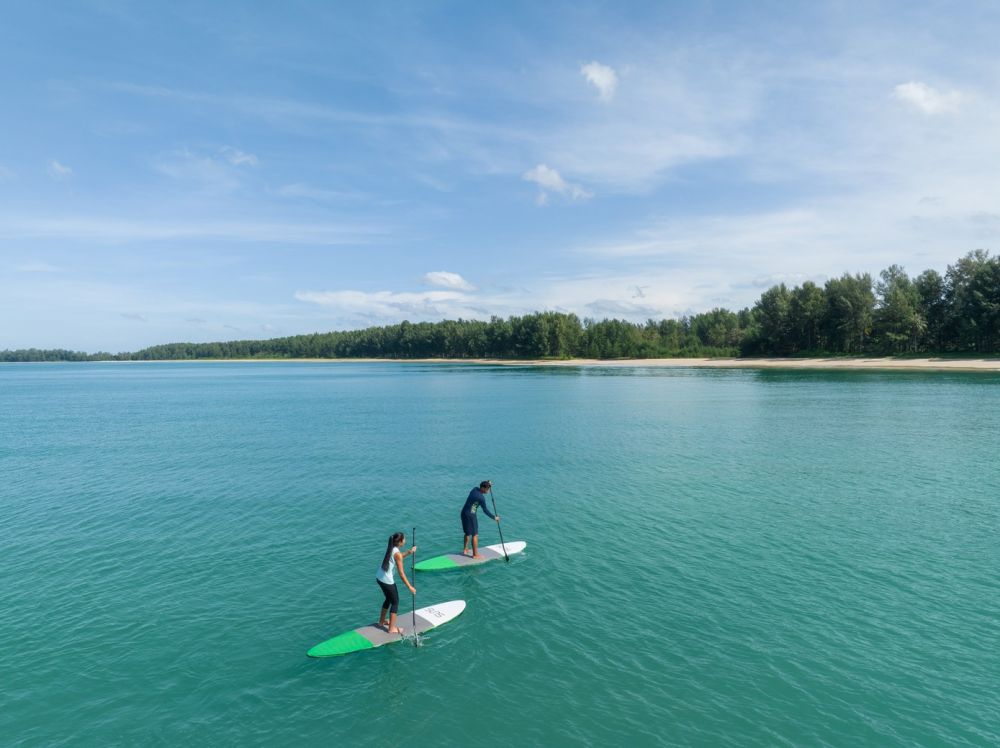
715,557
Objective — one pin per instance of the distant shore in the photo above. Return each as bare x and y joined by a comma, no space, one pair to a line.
840,363
941,364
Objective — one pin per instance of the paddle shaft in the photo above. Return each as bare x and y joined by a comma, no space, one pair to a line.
413,573
506,558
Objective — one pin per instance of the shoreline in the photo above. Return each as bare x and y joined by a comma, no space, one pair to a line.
847,363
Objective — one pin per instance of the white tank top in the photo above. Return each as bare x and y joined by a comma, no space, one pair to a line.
387,577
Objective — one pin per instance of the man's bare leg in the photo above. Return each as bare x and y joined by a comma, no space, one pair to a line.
475,547
465,546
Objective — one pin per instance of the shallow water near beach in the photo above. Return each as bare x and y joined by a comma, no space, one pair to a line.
715,557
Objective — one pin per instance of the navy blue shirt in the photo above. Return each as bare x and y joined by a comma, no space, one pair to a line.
476,500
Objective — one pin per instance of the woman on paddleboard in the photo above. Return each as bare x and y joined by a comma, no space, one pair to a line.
470,522
391,562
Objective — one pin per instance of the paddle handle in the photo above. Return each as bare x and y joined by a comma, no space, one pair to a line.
413,574
506,558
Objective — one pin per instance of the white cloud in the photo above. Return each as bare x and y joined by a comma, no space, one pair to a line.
134,316
601,77
390,304
546,178
713,236
211,174
318,194
59,171
667,292
789,279
219,173
115,229
549,180
238,158
927,99
598,295
602,308
38,267
444,279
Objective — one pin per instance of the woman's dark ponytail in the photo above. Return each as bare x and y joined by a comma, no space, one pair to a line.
393,539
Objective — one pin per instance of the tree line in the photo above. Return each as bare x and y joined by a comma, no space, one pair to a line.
894,314
958,312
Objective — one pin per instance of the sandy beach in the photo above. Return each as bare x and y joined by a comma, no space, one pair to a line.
938,364
887,364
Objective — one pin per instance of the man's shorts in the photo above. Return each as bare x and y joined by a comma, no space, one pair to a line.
470,524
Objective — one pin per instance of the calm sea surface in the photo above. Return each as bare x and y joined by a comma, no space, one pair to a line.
714,557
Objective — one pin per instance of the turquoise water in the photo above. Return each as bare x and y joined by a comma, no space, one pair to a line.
714,557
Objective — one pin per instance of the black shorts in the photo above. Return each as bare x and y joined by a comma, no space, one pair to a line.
470,524
391,593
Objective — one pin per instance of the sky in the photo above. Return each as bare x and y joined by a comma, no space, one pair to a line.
215,171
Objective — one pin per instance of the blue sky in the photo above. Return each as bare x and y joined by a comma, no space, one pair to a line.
212,171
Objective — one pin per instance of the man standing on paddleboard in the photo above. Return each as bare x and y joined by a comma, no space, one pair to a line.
470,522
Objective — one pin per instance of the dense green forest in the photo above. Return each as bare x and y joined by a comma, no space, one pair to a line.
895,314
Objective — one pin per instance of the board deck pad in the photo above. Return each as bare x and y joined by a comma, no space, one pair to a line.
368,637
457,560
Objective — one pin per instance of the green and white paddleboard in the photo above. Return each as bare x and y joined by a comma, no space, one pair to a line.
369,637
457,560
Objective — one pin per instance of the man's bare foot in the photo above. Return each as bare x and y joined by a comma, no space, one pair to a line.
396,630
381,624
477,556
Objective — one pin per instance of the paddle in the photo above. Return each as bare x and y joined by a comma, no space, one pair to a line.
413,575
506,558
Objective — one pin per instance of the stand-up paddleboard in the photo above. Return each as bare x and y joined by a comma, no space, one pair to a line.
368,637
457,560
